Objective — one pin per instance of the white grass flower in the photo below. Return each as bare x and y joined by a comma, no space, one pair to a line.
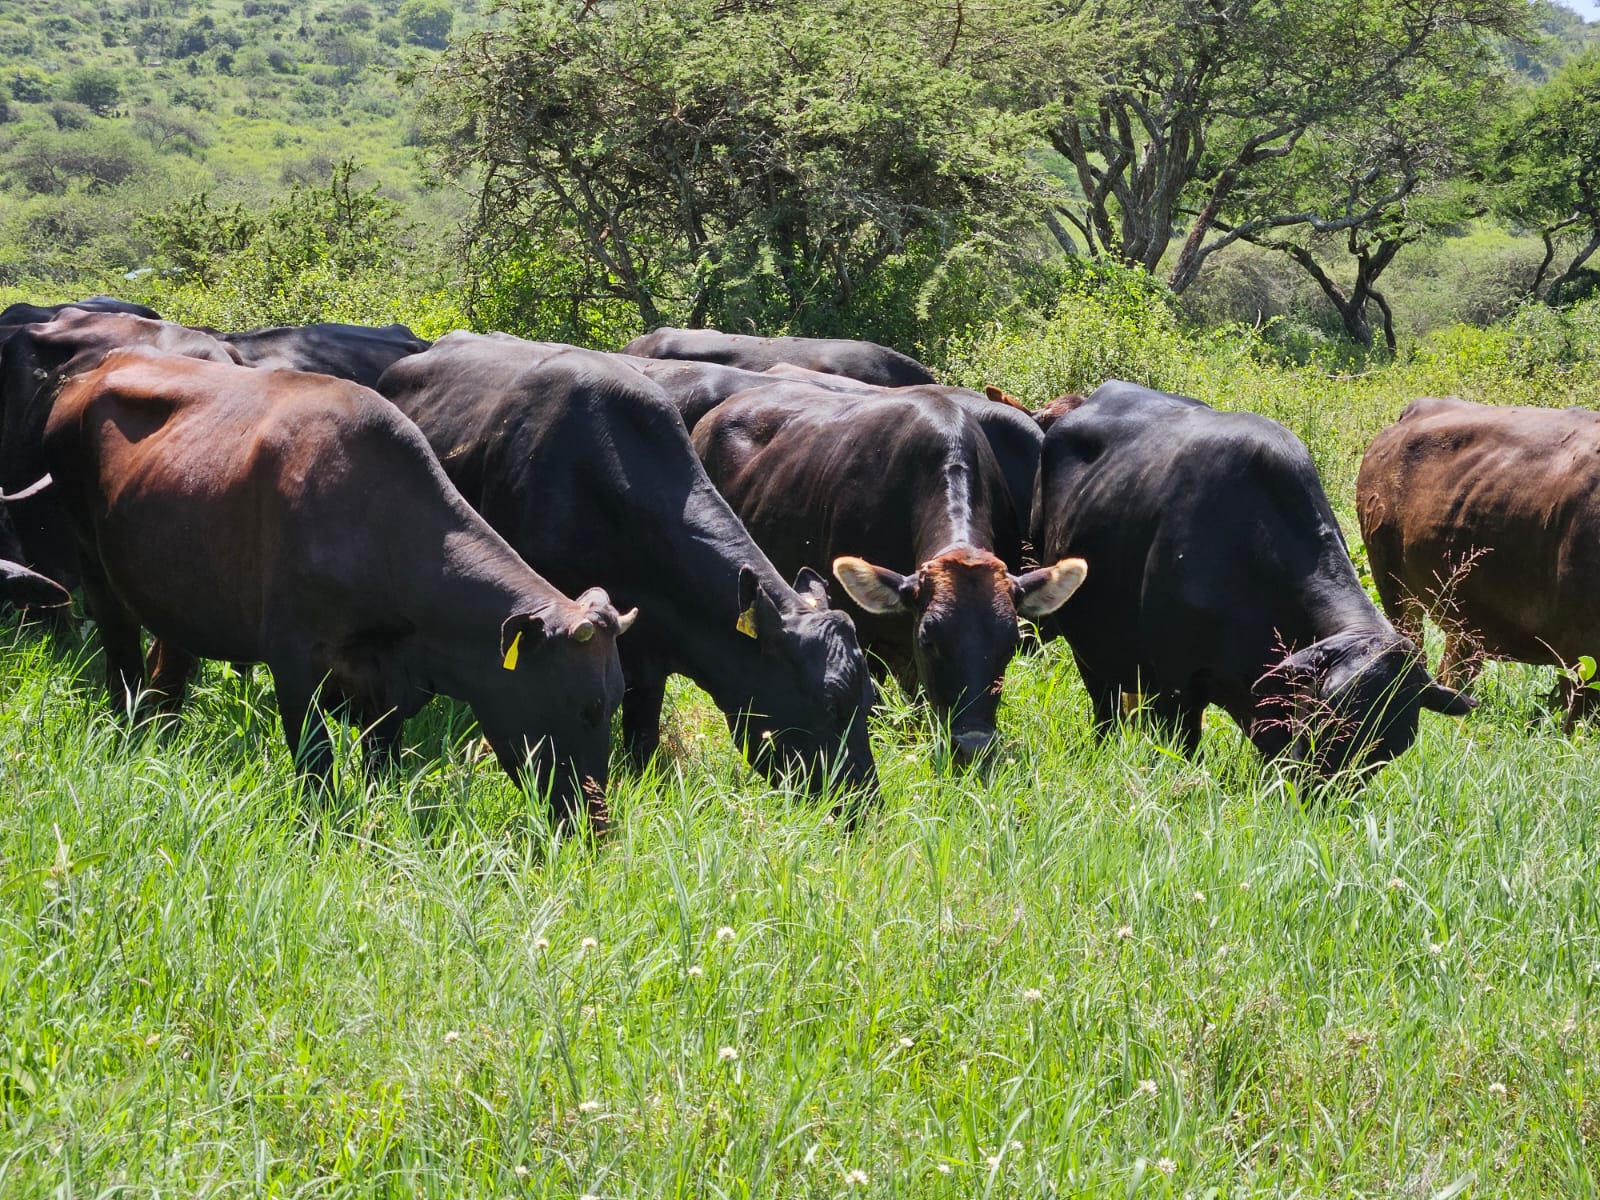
1435,949
727,1054
520,1171
1032,995
1147,1087
991,1161
588,1196
1497,1089
905,1043
541,944
1015,1147
725,934
696,972
1199,897
942,1168
1397,884
1124,932
855,1178
589,1106
589,944
1244,885
451,1037
1166,1166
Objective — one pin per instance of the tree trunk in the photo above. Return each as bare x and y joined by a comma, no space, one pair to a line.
1553,296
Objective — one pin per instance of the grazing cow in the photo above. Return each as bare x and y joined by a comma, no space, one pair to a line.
585,467
356,352
300,521
698,387
901,497
1488,520
35,314
1220,576
865,361
33,365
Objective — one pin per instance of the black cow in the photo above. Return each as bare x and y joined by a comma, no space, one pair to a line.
585,467
698,387
356,352
300,521
35,314
902,498
33,365
1220,576
866,361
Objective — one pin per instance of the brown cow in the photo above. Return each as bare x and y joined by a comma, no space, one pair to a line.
301,521
1488,520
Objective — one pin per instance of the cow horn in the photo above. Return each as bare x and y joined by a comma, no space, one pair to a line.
583,631
626,620
33,489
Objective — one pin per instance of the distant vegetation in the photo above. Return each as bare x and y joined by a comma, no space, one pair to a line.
864,167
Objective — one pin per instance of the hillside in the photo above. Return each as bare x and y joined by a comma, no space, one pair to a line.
120,107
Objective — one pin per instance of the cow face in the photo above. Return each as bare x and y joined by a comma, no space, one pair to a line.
550,703
1348,703
963,606
811,698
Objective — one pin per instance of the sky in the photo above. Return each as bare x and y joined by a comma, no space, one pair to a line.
1589,10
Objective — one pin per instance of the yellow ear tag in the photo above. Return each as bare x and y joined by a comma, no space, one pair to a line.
510,662
813,601
747,622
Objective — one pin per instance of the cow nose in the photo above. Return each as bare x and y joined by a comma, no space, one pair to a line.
971,745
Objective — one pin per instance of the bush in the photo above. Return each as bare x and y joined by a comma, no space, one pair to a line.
98,88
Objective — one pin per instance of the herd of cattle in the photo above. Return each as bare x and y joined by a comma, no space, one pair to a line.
548,532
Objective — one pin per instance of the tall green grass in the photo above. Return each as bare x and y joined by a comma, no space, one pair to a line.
1092,969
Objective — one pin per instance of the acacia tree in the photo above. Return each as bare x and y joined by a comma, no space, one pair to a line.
1363,190
1545,168
1165,109
743,164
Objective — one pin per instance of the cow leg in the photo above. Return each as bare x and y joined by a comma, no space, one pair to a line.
170,671
304,726
1177,715
1105,698
1462,659
643,697
119,641
380,743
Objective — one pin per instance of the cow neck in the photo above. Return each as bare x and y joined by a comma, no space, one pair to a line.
1332,596
704,596
474,592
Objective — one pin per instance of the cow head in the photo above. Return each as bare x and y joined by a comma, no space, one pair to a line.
548,702
964,606
809,704
1348,703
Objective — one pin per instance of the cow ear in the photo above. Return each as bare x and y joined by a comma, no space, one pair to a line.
1297,670
759,616
1039,593
876,589
1001,396
522,633
1437,698
813,588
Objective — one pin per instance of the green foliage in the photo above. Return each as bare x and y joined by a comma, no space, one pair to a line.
96,88
427,23
1546,165
320,253
760,166
29,84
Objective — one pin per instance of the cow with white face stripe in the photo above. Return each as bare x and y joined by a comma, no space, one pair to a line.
901,498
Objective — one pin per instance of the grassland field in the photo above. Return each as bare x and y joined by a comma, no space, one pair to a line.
1088,970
